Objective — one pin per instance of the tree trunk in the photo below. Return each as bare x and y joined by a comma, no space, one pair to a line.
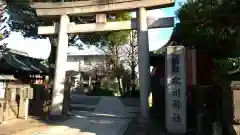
133,72
120,86
116,67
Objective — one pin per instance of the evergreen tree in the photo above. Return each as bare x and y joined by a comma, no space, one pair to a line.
4,32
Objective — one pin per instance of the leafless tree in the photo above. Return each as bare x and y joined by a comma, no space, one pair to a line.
131,57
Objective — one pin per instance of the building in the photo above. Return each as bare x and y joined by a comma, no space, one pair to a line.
85,64
85,59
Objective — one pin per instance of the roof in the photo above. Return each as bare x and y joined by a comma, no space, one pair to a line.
171,42
85,50
7,77
155,58
159,53
11,62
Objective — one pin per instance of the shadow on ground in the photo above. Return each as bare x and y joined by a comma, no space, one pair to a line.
111,116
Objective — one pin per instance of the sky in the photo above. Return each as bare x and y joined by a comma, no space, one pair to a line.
40,48
159,37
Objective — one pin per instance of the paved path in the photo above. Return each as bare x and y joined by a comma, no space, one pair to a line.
110,117
19,125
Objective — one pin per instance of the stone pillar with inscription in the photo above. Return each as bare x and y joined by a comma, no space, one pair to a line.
59,77
143,60
175,95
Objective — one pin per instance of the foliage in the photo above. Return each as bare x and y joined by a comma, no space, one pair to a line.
23,18
3,28
110,39
131,57
132,50
212,26
209,25
119,73
112,42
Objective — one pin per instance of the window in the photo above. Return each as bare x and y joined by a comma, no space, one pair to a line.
87,61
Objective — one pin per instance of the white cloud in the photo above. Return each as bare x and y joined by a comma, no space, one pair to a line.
36,48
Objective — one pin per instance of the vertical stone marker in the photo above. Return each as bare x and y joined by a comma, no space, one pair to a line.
175,95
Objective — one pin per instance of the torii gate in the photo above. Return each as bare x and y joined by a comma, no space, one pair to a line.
100,8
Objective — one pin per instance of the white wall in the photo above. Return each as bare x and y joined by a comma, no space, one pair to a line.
77,62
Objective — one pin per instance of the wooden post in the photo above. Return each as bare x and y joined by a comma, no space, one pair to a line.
6,106
26,108
1,111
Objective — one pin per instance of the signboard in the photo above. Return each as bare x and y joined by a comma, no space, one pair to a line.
28,93
175,94
2,89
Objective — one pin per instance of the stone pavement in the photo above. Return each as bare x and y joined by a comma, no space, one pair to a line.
18,125
110,117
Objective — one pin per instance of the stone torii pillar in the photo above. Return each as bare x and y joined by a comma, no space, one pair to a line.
59,76
143,60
